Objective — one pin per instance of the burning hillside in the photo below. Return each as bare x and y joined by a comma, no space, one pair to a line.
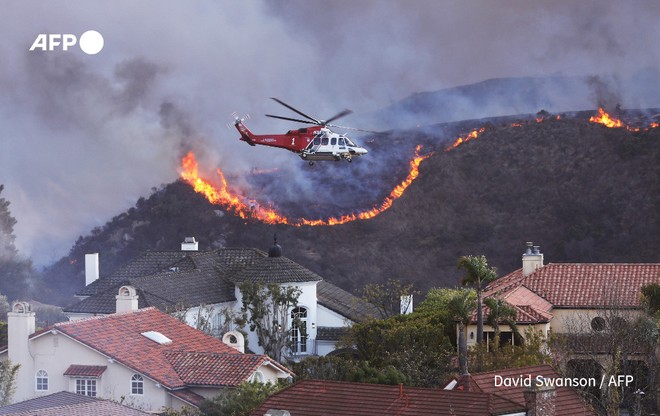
233,200
220,193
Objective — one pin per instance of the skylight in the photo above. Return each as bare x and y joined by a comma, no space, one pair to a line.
157,337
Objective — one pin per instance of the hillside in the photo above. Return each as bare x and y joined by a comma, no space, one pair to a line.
582,191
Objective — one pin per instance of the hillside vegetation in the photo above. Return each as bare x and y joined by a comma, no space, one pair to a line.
584,192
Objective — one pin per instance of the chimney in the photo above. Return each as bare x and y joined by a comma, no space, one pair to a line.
127,299
532,259
235,340
20,325
189,244
540,400
91,268
406,304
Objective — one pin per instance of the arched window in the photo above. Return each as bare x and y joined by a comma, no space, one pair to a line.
137,384
41,380
299,330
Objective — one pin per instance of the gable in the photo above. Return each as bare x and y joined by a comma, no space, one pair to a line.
120,338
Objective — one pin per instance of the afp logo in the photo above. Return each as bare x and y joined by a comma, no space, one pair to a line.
91,42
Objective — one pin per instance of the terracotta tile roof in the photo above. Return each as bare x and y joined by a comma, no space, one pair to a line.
567,401
188,396
65,403
338,398
212,369
583,285
525,314
76,370
119,336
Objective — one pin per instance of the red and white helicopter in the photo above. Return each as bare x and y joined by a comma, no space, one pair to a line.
310,143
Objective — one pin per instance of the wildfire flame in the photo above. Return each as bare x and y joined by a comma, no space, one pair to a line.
240,205
245,208
606,119
470,136
610,121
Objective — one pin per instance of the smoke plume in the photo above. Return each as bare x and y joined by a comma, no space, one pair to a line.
84,136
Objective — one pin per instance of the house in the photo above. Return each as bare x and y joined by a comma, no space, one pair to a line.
563,298
539,389
142,357
65,403
203,286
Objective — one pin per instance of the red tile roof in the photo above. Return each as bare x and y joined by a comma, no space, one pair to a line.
583,285
567,401
75,370
212,369
525,314
119,336
339,398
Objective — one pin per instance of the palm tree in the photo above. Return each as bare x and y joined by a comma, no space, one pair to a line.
460,308
477,275
500,312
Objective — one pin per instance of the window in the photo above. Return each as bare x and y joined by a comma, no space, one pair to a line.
299,330
86,386
333,141
598,324
42,380
137,384
324,141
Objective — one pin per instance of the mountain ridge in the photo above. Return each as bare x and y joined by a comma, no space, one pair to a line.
584,192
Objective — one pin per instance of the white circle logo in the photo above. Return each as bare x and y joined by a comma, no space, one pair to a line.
91,42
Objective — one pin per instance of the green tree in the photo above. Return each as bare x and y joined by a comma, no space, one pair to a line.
240,401
8,372
16,274
500,313
388,297
460,308
266,311
477,275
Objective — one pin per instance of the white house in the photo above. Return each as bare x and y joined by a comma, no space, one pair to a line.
143,358
205,286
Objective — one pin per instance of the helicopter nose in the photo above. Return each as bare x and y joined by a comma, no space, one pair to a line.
361,151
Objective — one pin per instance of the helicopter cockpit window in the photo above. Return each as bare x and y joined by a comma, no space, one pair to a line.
317,140
324,141
333,141
350,143
341,141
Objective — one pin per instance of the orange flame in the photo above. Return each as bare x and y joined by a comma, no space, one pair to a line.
606,119
610,121
470,136
222,195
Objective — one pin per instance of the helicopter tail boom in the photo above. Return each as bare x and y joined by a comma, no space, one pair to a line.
246,134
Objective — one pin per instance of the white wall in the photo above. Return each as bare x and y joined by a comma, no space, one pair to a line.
56,352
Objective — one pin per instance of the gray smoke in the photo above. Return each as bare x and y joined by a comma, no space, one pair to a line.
84,136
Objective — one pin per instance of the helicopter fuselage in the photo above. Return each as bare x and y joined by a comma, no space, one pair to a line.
310,143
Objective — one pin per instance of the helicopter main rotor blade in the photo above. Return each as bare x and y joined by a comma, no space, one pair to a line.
291,119
338,115
295,110
351,128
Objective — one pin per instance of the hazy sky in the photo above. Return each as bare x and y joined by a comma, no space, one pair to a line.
83,136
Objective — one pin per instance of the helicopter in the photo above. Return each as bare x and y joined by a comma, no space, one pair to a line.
310,143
